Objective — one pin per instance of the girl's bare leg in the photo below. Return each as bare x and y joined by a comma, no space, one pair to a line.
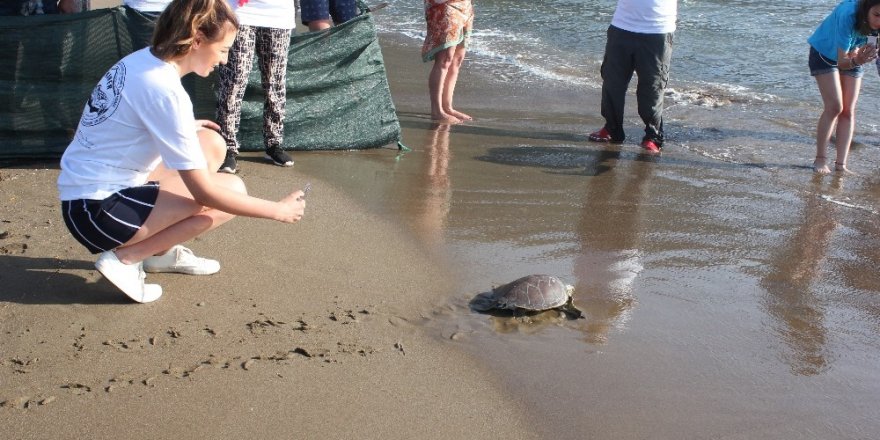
846,120
436,86
176,217
832,100
451,80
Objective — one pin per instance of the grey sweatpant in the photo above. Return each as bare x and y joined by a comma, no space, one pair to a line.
647,55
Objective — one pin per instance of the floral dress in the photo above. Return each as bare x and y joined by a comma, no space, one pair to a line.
449,24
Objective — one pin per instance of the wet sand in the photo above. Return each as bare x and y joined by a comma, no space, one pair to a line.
725,297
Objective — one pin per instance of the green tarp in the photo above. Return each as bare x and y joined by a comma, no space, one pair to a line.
337,89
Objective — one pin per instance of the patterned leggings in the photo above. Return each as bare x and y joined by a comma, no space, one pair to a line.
271,46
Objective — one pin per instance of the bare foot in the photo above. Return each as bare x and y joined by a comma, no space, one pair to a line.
444,118
460,115
842,169
820,167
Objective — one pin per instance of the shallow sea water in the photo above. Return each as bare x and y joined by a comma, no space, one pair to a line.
728,292
726,52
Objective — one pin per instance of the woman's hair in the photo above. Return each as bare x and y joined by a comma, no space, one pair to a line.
182,21
862,16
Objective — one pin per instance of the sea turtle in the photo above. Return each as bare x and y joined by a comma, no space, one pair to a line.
530,293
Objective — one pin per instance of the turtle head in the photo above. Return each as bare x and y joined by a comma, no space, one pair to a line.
569,289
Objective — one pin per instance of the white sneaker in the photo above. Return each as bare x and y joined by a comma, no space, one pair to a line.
180,259
129,278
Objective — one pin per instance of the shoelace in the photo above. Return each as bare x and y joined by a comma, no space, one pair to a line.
185,254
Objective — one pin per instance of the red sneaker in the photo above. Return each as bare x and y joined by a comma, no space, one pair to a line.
600,136
651,146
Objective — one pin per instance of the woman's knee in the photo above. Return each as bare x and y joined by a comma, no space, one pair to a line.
213,146
445,58
847,113
833,109
231,182
460,52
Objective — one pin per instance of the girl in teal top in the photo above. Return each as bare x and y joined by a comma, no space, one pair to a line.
838,49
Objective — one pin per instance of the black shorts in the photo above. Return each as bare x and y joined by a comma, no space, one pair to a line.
102,225
819,65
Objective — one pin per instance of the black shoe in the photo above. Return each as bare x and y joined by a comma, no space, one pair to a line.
229,164
279,157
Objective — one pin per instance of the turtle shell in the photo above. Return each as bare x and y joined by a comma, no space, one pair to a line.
533,292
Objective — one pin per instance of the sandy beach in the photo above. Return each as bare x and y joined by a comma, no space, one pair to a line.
311,331
727,295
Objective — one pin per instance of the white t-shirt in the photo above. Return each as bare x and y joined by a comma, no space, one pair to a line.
278,14
147,5
138,116
646,16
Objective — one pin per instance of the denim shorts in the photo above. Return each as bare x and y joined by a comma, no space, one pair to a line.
102,225
819,65
340,10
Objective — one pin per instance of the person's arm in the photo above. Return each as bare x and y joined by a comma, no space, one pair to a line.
844,60
856,57
288,210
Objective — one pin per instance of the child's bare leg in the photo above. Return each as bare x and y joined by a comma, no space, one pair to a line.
846,121
451,80
829,88
436,83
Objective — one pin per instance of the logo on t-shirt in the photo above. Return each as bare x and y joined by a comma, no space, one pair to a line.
106,96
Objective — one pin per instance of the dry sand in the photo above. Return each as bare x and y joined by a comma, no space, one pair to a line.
310,330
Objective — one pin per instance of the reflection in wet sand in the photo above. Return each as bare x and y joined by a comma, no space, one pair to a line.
430,221
608,235
857,269
791,300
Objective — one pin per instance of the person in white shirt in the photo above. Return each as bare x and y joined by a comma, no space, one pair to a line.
639,41
266,26
139,177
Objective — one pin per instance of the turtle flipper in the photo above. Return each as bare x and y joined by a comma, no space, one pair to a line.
571,311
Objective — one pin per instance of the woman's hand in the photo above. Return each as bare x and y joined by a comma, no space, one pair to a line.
292,207
864,54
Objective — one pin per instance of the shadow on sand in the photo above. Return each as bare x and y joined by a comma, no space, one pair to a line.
28,280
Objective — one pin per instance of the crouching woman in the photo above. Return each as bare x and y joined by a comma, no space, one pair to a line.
139,177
